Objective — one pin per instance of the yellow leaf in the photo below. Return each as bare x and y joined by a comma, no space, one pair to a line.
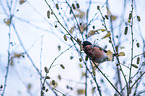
83,74
8,22
113,18
72,29
121,54
92,32
81,91
107,35
102,30
80,65
109,55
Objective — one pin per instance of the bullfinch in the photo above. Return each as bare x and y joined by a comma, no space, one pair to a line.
94,52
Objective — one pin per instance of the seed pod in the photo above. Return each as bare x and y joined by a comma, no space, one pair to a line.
137,44
55,26
53,82
57,7
135,66
47,77
98,7
94,73
65,38
73,5
138,18
86,59
126,30
48,14
71,57
80,59
138,60
78,6
46,69
46,90
106,16
62,66
130,15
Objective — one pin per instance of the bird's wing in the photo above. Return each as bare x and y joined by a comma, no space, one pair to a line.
94,45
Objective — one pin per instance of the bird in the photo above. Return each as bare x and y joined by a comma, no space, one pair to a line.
94,52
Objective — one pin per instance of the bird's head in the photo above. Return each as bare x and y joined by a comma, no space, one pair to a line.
85,43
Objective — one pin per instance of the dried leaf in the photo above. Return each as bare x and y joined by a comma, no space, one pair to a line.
80,91
134,65
22,1
113,18
82,27
81,14
80,65
8,22
83,74
29,86
108,12
92,32
109,55
121,54
17,55
72,29
107,35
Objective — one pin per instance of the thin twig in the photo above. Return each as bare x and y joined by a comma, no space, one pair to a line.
108,80
132,43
